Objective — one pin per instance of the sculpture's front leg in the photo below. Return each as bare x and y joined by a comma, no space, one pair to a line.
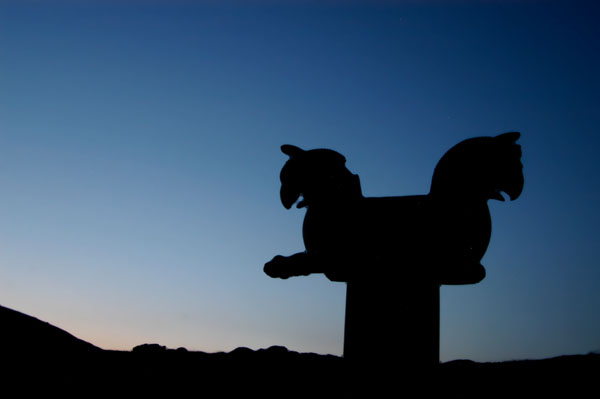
300,264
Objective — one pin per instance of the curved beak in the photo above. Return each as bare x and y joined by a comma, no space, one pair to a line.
514,184
512,180
289,195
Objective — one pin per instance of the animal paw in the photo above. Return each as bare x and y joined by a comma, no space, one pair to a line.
277,267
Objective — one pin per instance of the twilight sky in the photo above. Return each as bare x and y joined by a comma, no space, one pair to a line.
139,162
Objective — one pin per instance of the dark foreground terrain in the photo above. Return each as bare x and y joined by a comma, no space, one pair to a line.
40,358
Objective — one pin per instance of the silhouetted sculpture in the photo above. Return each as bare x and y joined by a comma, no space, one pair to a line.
395,252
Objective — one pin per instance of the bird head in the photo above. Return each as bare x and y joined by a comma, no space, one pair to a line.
481,168
318,175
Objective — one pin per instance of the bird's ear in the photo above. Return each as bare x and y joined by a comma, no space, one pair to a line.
510,137
291,150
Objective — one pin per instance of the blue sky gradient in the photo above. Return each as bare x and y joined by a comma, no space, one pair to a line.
139,162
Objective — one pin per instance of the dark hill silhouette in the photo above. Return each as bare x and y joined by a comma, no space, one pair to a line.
40,357
21,333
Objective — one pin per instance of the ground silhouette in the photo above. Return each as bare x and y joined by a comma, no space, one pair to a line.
38,357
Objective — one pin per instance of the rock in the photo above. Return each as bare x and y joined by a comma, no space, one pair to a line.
149,348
